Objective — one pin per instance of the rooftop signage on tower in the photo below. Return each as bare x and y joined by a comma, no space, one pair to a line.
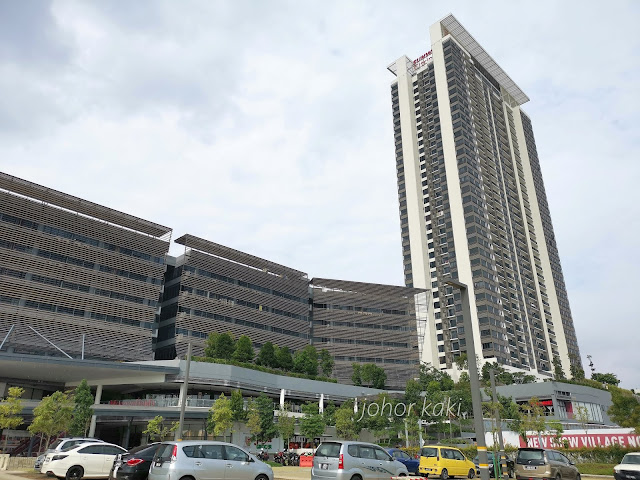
423,59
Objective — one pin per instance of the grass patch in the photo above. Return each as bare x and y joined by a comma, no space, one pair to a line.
596,468
273,464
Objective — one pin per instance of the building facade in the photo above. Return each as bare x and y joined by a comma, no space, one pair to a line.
473,208
213,288
75,277
366,323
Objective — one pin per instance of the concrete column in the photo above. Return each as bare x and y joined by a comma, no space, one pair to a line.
92,427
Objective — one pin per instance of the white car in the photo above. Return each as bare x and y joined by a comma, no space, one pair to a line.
89,460
629,468
61,445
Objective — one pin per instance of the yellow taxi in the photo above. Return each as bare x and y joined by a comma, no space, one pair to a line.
444,462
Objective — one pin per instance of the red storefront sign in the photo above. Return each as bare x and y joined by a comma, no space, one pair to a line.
580,440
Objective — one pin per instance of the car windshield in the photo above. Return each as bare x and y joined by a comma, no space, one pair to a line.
54,445
328,450
530,457
429,452
631,459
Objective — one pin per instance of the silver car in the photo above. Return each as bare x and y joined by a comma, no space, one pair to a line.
346,460
206,460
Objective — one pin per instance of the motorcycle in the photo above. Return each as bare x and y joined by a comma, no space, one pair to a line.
263,455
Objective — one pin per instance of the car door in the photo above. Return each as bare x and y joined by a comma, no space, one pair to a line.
461,463
237,464
568,470
449,462
90,458
386,465
368,462
208,461
109,453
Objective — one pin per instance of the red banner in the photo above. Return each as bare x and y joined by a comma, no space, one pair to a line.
580,440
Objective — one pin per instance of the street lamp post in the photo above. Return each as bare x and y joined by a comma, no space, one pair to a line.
183,396
474,378
502,459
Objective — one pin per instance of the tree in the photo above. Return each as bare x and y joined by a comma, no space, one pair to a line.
556,428
326,362
433,379
462,362
267,356
312,423
625,408
237,406
557,369
225,346
412,392
356,376
10,411
608,378
577,373
533,419
283,358
381,421
373,376
347,425
244,350
260,419
286,424
211,346
220,417
306,361
330,413
158,430
82,410
52,416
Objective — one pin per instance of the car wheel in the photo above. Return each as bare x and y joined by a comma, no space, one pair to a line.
558,477
356,477
444,475
262,477
75,473
472,473
578,477
402,474
510,473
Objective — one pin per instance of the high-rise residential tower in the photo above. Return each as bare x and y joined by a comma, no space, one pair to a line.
473,208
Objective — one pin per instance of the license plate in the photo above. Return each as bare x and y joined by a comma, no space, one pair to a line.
527,467
324,466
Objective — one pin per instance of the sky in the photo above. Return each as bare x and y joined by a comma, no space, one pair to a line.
266,126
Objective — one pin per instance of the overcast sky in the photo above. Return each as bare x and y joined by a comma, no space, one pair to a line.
266,126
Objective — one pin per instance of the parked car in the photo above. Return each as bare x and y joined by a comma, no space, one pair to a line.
61,445
629,467
87,460
206,460
445,462
406,459
538,463
135,464
490,455
344,460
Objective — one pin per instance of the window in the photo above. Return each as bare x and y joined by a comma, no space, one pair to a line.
429,452
92,450
352,450
331,450
234,453
382,455
111,450
457,455
367,452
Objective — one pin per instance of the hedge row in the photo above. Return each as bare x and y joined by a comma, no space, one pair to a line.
260,368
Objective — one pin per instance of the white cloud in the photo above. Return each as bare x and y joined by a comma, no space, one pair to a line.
267,127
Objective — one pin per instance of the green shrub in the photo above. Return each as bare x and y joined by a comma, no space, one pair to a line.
260,368
598,455
596,468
